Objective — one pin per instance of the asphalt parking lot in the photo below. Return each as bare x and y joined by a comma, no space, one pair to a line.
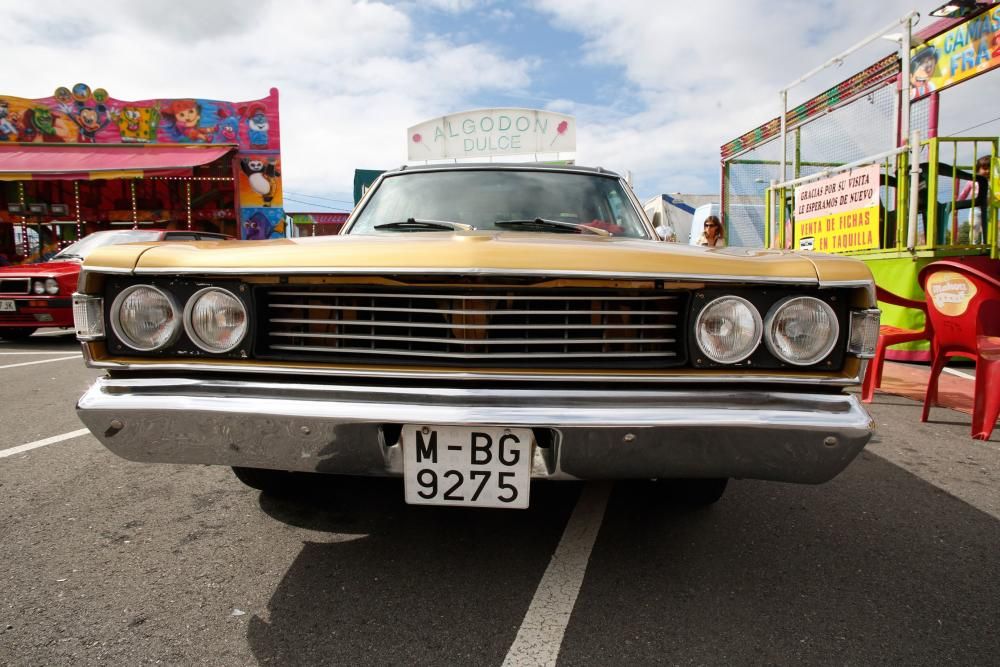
106,561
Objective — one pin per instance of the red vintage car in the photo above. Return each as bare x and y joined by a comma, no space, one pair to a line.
41,295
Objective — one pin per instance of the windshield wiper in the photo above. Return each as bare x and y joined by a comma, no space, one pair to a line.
67,255
546,224
421,224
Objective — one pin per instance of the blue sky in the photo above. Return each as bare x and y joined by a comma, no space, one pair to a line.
656,87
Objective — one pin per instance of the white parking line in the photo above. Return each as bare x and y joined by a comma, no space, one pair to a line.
41,361
41,443
40,353
541,632
958,373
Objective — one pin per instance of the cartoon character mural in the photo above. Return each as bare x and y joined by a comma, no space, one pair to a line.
257,124
8,129
85,108
260,178
185,123
42,124
922,66
263,223
228,129
137,124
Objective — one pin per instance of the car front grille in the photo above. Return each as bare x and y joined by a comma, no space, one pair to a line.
488,327
15,285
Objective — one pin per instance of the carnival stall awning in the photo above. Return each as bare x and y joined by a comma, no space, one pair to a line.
23,162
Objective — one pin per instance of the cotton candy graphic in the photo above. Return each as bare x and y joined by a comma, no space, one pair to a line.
560,130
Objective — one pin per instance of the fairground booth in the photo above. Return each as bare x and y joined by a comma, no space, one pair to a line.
893,166
82,161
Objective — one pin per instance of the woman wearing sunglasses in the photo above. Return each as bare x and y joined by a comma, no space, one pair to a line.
713,235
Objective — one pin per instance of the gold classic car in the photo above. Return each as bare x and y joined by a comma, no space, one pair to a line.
475,327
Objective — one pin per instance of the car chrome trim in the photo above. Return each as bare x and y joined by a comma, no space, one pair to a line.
105,269
783,436
459,376
541,273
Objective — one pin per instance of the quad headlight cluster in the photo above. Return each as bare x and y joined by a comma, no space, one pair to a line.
46,286
798,330
147,318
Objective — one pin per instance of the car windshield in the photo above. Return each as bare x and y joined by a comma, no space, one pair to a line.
501,199
88,244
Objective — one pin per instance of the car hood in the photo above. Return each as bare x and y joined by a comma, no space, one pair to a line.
476,252
53,269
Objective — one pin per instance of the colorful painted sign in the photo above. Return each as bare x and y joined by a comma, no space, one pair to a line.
951,292
839,213
491,132
80,115
966,50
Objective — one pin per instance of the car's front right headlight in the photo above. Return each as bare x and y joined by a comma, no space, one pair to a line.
728,329
145,318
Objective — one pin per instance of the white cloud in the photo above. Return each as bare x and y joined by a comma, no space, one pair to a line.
707,72
352,75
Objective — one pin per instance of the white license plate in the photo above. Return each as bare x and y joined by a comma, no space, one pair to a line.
7,306
470,466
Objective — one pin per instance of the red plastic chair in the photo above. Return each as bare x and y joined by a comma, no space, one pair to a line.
890,335
963,304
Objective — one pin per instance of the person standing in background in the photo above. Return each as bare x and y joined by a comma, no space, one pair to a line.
714,235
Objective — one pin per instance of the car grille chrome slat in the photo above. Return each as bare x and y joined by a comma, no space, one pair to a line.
554,328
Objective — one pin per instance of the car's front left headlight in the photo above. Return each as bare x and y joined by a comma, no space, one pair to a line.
728,329
51,286
38,287
145,318
801,330
215,320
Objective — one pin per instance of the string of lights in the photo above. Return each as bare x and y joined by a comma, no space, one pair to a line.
79,214
24,219
135,204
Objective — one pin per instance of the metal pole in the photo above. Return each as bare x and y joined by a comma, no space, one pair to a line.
911,209
839,59
784,147
904,88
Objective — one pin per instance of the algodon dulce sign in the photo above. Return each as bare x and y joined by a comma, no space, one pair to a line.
491,132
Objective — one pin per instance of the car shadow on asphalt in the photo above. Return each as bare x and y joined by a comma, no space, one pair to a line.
874,567
399,584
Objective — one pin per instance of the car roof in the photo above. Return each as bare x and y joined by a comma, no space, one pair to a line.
502,166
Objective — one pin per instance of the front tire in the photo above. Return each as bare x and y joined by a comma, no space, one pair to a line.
271,482
694,492
17,333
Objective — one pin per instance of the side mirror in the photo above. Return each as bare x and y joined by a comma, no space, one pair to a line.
666,233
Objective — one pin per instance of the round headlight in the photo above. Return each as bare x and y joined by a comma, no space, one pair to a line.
38,287
801,330
728,329
51,286
145,318
215,320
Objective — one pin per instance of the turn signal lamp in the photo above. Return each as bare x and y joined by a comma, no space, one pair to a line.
88,317
864,333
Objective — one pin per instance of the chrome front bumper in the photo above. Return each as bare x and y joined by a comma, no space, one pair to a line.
584,434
